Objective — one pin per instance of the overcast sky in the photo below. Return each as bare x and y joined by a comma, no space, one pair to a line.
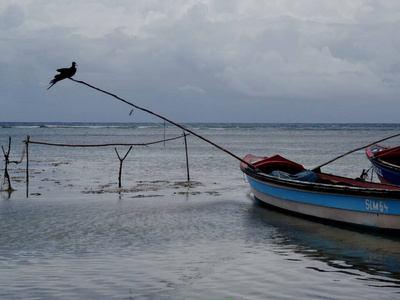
202,61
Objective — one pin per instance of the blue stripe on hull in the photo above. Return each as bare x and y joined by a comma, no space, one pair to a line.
361,204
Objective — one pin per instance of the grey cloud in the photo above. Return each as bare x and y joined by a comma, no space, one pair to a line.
192,88
12,16
227,53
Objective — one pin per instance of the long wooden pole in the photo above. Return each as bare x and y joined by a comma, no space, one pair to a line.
161,117
317,169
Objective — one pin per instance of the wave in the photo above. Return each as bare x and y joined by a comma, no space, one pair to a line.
77,125
22,127
203,126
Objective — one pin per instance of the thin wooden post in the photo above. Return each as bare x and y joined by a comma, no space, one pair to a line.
27,165
7,161
164,133
121,160
187,157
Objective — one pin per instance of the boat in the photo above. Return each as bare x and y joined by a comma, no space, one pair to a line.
287,185
386,162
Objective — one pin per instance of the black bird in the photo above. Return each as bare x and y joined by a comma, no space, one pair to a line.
64,73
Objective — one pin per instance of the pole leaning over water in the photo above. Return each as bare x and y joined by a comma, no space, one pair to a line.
165,119
318,168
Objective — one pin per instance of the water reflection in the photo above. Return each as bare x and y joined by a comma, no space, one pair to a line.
347,250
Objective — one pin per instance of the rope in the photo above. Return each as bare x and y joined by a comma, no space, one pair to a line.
104,145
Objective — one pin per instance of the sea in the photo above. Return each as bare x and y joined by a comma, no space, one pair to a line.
184,223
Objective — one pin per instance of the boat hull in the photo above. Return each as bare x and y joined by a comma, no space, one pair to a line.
364,204
386,175
312,205
385,162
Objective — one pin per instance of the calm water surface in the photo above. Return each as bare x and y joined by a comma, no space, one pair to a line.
76,236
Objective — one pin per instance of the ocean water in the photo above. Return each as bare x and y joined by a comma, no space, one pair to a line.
73,234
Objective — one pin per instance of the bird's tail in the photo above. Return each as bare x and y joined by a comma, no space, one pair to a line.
53,82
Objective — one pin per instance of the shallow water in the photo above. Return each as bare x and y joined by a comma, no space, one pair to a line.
78,236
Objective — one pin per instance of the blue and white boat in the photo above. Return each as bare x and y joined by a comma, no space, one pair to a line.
287,185
386,163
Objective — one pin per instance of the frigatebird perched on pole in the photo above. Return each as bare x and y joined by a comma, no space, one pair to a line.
64,73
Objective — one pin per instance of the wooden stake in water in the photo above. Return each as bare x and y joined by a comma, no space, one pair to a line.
121,160
27,165
187,157
164,132
7,161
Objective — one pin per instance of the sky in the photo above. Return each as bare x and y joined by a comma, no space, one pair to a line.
310,61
